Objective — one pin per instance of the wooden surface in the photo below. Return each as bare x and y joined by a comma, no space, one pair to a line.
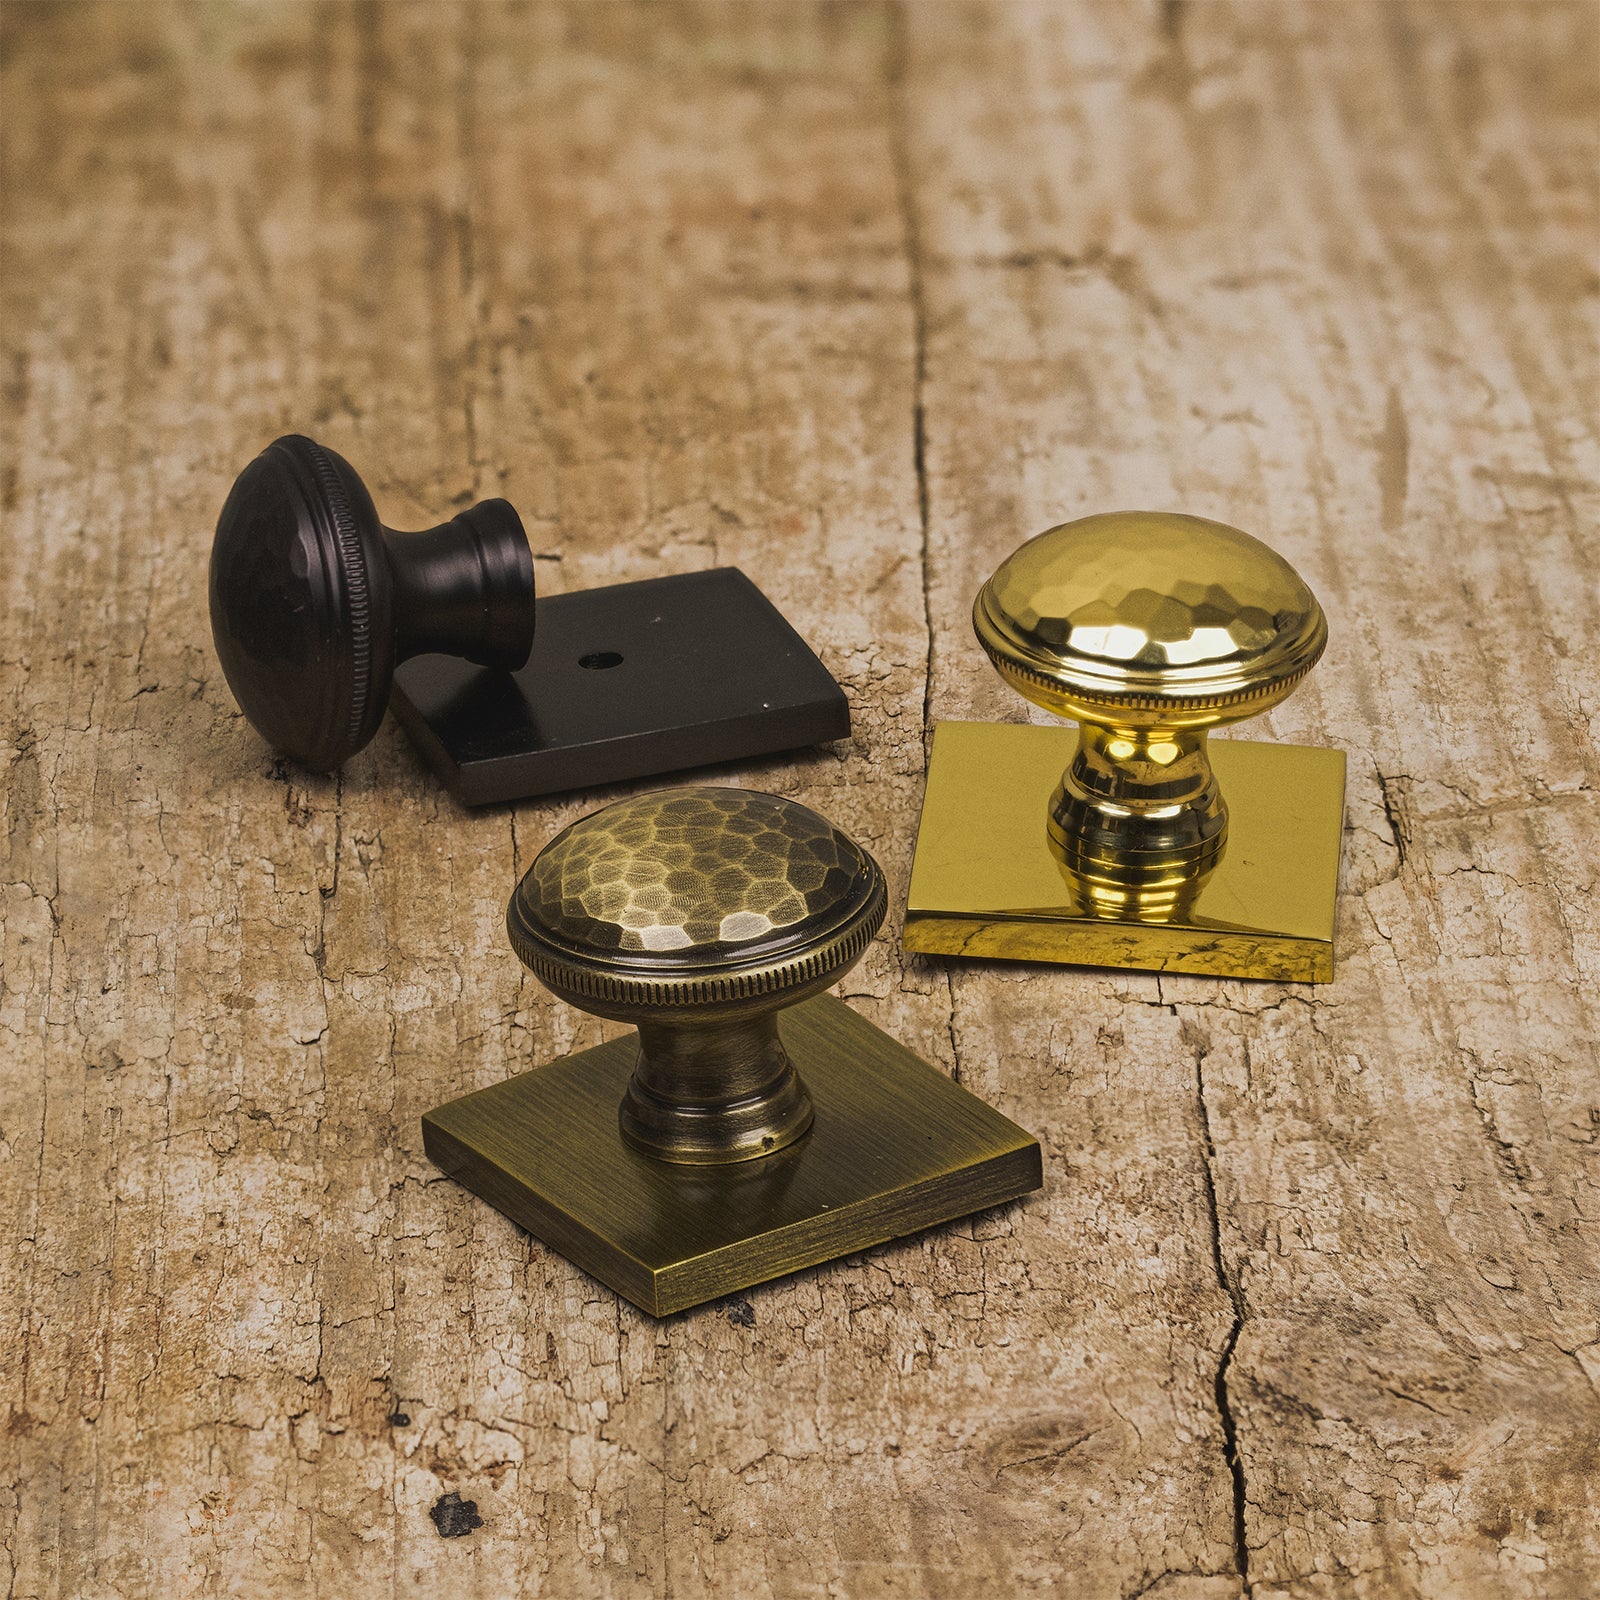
854,298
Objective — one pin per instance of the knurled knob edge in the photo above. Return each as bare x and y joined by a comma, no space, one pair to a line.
1101,693
570,973
352,559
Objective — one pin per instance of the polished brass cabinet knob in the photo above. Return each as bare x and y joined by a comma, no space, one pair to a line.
698,915
751,1125
1148,629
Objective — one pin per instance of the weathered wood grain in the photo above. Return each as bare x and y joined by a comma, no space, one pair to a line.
855,297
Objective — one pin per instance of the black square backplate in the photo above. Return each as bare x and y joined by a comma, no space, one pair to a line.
623,682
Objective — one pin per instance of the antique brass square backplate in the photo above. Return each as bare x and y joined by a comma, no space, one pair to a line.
896,1146
985,882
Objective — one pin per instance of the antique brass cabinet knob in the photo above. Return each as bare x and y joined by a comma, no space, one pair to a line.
750,1126
698,916
1148,629
314,602
321,615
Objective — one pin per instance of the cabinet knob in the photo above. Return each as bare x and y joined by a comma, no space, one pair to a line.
314,602
698,914
751,1125
1149,629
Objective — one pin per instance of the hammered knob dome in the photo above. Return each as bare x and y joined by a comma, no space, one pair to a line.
696,895
1152,611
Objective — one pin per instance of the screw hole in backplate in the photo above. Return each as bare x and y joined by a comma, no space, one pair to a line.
600,660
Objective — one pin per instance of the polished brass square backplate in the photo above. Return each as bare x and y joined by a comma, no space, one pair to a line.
985,882
896,1146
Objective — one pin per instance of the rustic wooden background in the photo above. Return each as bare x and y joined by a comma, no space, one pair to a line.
856,298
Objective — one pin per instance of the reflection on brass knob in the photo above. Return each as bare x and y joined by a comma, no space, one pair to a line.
1149,629
698,914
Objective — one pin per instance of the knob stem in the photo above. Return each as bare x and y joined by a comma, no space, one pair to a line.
704,1093
464,588
1138,804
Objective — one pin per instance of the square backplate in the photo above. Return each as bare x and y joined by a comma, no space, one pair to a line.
896,1146
985,883
623,682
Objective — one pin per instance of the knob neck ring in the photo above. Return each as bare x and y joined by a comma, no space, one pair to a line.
1138,807
465,588
707,1094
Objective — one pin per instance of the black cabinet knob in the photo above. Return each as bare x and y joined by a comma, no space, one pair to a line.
314,602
